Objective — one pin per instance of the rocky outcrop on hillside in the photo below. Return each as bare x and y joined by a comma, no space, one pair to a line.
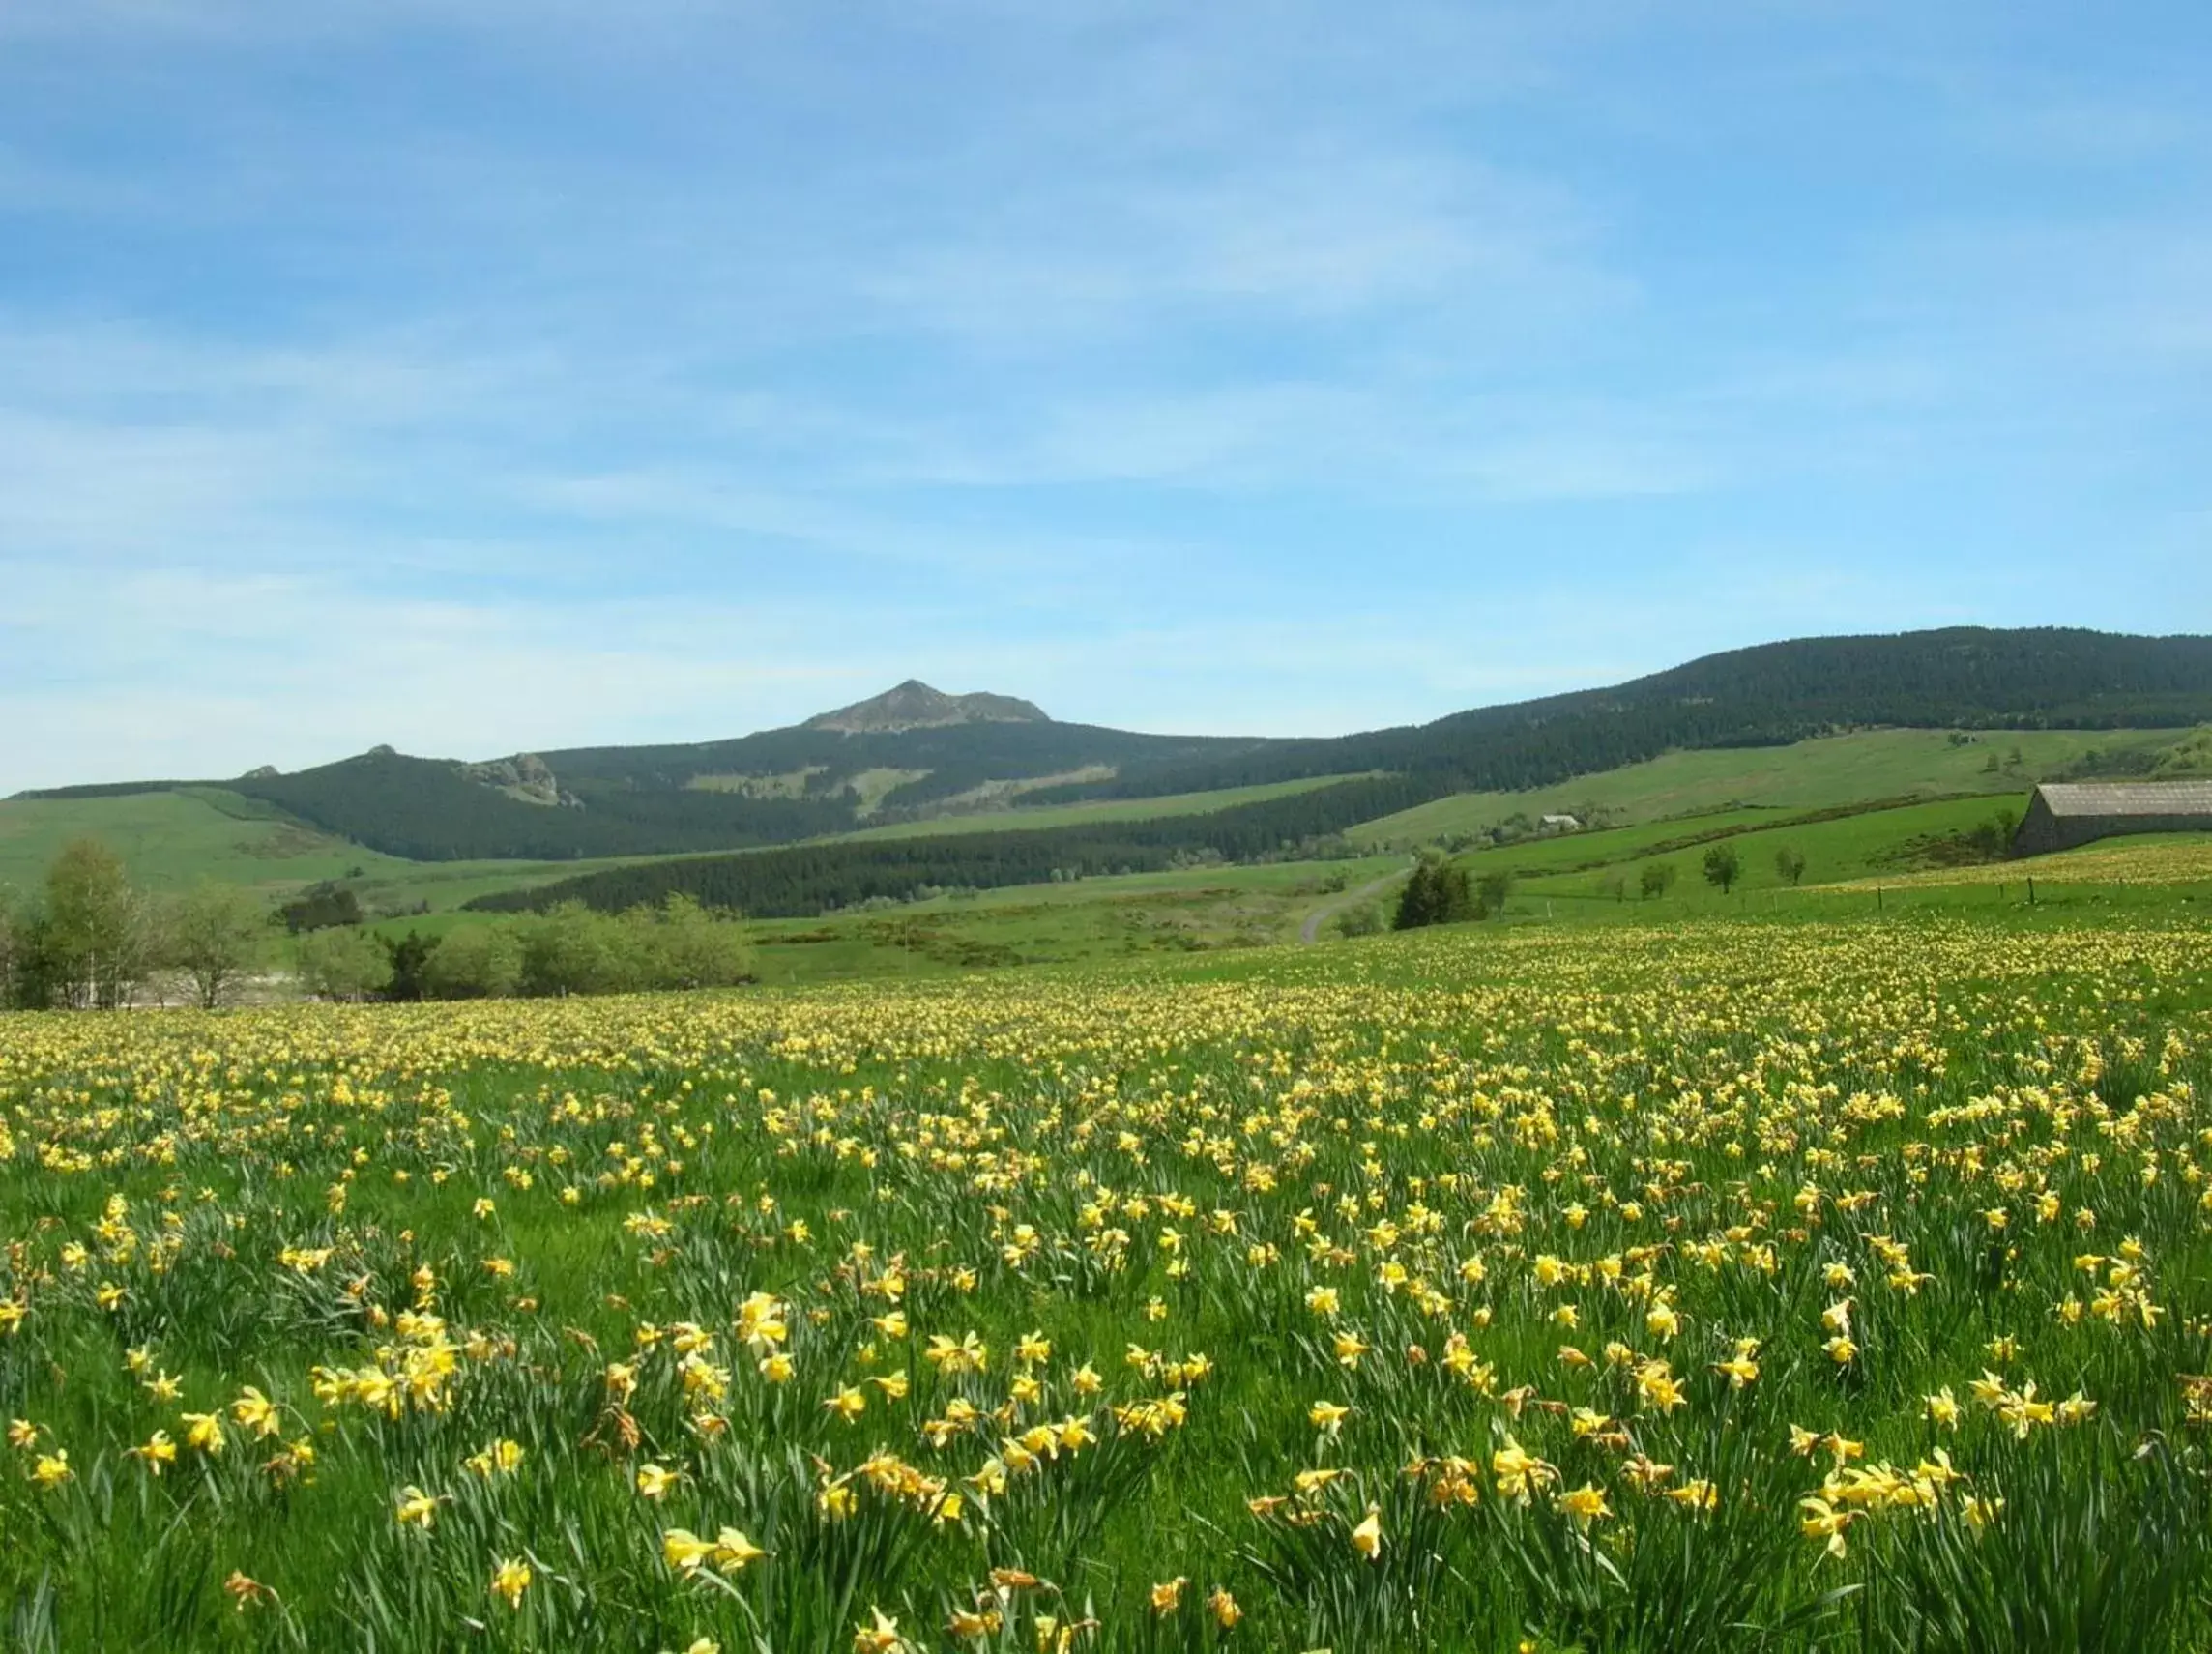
525,777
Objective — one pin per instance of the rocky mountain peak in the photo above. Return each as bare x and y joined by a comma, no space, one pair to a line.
915,705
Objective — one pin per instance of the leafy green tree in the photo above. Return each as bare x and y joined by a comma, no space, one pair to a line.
1656,880
215,933
321,906
474,962
573,950
1490,894
407,977
30,974
1789,862
23,935
1416,898
683,945
1722,867
101,932
343,964
1435,893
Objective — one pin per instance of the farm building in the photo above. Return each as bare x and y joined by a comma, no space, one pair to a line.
2064,814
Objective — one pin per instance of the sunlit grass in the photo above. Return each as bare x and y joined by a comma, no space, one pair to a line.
1671,1288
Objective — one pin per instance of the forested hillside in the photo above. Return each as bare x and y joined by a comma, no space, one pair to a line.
1963,678
424,809
771,788
941,763
810,879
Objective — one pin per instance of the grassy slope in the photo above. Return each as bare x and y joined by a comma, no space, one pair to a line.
171,840
1096,810
1810,775
1227,910
1852,847
1851,873
2150,858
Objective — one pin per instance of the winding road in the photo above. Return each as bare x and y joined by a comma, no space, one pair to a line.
1309,932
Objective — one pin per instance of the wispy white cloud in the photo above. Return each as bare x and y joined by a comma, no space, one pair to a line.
1318,233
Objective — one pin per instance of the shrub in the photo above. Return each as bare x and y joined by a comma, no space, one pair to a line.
474,962
1362,918
341,964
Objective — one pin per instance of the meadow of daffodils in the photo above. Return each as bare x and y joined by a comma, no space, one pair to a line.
1732,1287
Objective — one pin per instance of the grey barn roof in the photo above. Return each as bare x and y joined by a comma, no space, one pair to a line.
2128,797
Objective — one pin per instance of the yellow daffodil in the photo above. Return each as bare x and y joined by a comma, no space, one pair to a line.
1367,1536
510,1579
1585,1505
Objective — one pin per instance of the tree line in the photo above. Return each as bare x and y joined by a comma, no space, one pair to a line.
570,950
89,939
800,880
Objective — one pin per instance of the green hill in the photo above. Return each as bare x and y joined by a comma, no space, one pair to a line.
1961,678
1806,723
171,840
1802,776
776,787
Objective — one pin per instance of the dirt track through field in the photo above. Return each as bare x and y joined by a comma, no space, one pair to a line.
1309,932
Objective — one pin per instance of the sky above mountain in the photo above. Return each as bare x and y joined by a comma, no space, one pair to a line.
474,376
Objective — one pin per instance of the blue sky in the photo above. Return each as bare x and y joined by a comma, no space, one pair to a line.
477,375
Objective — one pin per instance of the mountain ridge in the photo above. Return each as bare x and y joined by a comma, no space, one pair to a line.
811,782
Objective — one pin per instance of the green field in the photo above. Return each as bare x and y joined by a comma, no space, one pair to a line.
1837,1286
1852,870
1848,847
1810,774
1089,921
1559,881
